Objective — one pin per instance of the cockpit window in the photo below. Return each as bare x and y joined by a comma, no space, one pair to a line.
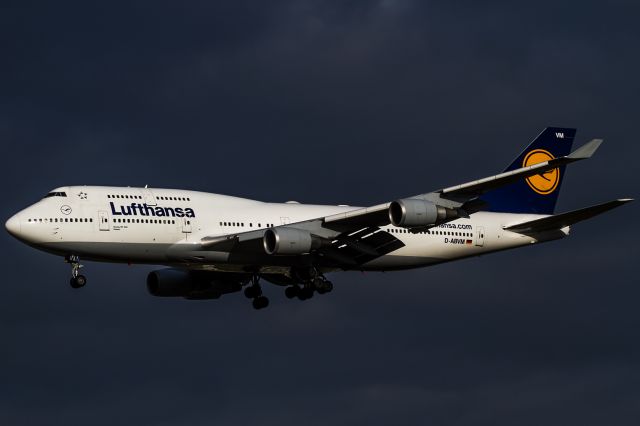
56,194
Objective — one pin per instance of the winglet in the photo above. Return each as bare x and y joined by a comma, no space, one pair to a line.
586,150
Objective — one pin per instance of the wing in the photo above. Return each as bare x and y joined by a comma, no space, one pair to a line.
349,239
462,198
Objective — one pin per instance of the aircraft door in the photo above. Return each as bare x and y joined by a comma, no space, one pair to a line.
149,198
103,218
186,225
480,236
284,220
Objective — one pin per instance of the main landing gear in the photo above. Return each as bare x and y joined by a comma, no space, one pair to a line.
77,280
254,291
318,284
313,282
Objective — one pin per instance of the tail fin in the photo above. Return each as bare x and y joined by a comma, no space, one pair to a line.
536,194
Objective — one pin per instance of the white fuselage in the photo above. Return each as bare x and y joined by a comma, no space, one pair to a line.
158,226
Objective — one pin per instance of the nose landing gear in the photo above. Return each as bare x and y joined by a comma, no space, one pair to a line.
77,280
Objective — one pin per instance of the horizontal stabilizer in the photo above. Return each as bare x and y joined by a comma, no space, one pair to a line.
562,220
586,150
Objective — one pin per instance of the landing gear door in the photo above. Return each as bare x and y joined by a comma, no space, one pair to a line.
103,218
186,225
149,198
480,236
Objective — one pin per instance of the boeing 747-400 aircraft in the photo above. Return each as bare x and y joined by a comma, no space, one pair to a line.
216,244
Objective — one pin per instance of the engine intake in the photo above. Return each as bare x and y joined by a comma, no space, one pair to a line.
412,213
289,241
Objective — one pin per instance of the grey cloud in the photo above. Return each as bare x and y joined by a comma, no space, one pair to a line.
361,102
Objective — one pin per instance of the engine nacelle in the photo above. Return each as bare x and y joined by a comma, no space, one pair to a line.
289,241
171,282
412,213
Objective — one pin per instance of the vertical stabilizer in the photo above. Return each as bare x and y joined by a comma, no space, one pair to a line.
536,194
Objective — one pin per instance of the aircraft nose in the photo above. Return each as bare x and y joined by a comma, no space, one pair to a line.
13,225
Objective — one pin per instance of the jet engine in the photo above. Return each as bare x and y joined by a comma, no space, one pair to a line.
171,282
290,241
411,213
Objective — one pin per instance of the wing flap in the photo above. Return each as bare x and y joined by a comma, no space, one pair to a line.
370,216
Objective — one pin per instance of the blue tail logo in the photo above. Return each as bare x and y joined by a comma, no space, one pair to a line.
535,194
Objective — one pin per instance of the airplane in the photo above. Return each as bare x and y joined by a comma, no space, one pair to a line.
212,244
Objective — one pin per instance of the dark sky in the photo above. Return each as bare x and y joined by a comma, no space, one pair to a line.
327,102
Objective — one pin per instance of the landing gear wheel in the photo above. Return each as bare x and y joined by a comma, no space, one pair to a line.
322,285
252,292
260,302
78,281
305,293
291,291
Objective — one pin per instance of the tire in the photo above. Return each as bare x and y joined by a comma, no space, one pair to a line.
260,302
78,282
318,283
291,291
264,302
248,293
81,280
305,293
252,292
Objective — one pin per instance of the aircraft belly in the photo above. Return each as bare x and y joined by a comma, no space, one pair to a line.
110,251
396,262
